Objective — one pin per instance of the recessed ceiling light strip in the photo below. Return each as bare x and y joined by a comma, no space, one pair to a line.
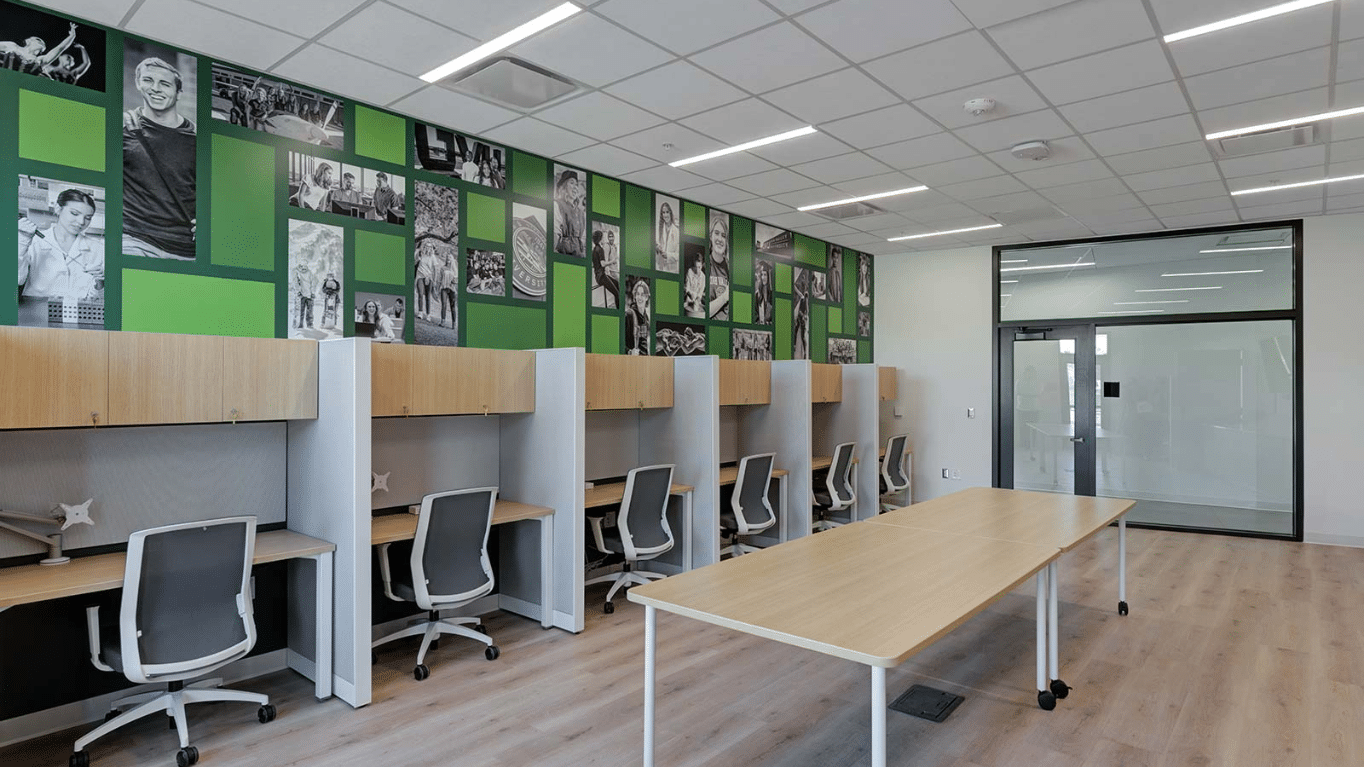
1243,250
948,231
797,133
1246,18
1314,182
1209,274
1013,261
502,42
1134,303
1048,266
863,198
1285,123
1135,311
1176,290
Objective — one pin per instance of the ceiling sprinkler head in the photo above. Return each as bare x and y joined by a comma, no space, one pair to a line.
668,146
979,107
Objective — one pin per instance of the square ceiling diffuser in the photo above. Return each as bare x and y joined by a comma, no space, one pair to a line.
511,81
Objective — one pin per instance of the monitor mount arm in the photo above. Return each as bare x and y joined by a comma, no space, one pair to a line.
63,516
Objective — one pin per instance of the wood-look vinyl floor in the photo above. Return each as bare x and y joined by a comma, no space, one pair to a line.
1237,652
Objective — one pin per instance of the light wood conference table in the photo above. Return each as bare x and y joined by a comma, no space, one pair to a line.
27,584
613,493
392,528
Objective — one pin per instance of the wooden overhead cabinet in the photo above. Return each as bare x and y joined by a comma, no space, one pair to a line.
53,378
745,382
162,378
888,380
434,380
826,382
624,382
265,379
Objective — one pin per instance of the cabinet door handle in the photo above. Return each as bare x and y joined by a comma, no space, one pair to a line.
234,415
94,418
404,411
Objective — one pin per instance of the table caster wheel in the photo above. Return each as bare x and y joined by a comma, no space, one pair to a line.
80,759
1122,608
266,713
492,652
187,756
609,608
421,672
1059,689
1046,700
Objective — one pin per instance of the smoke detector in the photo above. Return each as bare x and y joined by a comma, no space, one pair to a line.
1031,150
979,107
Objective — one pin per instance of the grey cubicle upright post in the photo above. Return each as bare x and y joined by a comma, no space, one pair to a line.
858,416
785,427
329,481
687,435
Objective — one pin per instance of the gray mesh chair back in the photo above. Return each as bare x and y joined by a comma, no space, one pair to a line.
187,599
752,509
839,481
643,517
450,552
893,467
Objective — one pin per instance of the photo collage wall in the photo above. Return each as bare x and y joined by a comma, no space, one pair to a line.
234,203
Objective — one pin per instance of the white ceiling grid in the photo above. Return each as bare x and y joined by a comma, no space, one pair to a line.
883,80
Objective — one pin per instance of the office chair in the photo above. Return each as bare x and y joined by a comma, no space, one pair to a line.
449,568
894,478
186,611
749,510
838,493
641,532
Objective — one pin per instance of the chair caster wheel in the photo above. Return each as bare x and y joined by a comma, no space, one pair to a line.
187,756
1046,700
421,672
609,608
266,714
1122,608
1059,689
80,759
480,628
492,652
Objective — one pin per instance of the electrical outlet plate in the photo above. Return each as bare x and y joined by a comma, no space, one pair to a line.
946,474
970,412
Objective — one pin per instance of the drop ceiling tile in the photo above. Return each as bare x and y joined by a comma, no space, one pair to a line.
884,248
479,19
1160,179
947,212
1178,15
759,208
716,194
1272,109
857,239
832,170
444,107
687,27
111,12
1344,202
1111,204
1136,227
1180,129
424,47
773,182
884,126
1012,96
922,151
1063,151
816,146
743,121
1293,32
574,49
873,184
685,142
730,166
537,136
1210,205
1140,105
1347,95
830,229
865,29
795,219
793,7
1179,155
607,160
210,31
598,115
911,204
1183,193
829,97
1286,74
1073,30
1270,162
1116,217
1061,175
1002,134
940,66
1089,190
1201,219
1283,210
880,222
956,171
1350,61
985,13
664,178
811,196
985,187
340,72
300,17
1292,176
1100,74
676,90
1345,151
769,58
1009,202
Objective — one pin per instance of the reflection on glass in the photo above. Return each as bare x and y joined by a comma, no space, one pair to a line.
1044,415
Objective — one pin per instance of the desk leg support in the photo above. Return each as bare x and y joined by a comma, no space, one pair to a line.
1045,698
1058,688
650,621
782,489
878,716
1122,565
547,571
686,531
324,626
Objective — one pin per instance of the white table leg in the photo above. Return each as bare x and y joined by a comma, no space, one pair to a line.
1042,691
878,716
1122,565
650,619
547,571
1053,635
323,617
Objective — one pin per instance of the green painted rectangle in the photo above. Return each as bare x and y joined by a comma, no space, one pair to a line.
667,297
836,319
849,322
498,326
380,135
693,219
169,302
380,258
782,340
783,278
605,196
570,305
819,333
605,334
486,217
530,175
864,352
849,285
743,307
61,131
638,234
242,215
718,342
810,251
741,246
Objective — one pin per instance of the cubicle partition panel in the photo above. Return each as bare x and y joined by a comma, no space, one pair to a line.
687,435
860,411
329,483
784,427
542,462
418,456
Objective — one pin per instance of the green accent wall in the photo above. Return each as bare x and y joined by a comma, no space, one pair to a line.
693,219
605,334
667,298
242,188
570,305
487,217
495,326
380,135
718,341
380,258
166,302
605,196
61,131
639,227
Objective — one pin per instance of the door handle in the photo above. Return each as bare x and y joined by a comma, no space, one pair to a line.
1077,439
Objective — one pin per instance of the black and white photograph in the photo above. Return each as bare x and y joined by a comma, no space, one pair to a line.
381,317
774,242
316,269
764,302
864,324
278,108
435,290
570,212
667,233
694,286
346,190
43,45
751,345
679,339
61,254
717,228
458,156
842,351
487,271
800,316
528,252
160,94
834,291
638,310
605,265
817,285
864,279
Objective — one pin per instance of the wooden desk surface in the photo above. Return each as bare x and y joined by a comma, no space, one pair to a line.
730,474
85,575
875,594
391,528
1043,519
606,495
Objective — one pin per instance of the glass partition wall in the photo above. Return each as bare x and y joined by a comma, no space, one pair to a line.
1159,368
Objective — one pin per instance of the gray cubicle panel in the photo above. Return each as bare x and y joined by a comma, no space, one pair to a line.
785,427
853,419
687,435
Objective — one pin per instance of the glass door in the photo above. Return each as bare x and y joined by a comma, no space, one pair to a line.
1047,409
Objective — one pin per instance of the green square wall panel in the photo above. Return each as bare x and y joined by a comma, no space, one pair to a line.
667,297
639,227
499,326
741,248
528,175
810,251
380,135
605,196
242,223
783,278
819,333
718,342
570,305
168,302
693,219
61,131
741,304
836,320
849,321
486,217
380,258
605,334
864,352
782,339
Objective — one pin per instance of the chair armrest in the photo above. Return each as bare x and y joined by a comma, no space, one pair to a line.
598,538
92,632
386,573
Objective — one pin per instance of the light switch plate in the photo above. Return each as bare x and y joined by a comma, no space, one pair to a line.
970,412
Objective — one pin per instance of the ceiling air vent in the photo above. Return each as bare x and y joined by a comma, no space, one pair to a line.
850,210
511,81
1267,141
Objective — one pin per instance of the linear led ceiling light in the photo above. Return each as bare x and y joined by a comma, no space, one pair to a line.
863,198
1314,182
1243,250
1285,123
502,42
1135,311
1013,261
1048,266
1176,290
1134,303
1209,274
787,136
1245,18
947,231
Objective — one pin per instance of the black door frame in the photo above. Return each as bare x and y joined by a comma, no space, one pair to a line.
1083,443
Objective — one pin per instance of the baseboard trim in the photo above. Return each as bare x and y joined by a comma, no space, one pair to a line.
1353,541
